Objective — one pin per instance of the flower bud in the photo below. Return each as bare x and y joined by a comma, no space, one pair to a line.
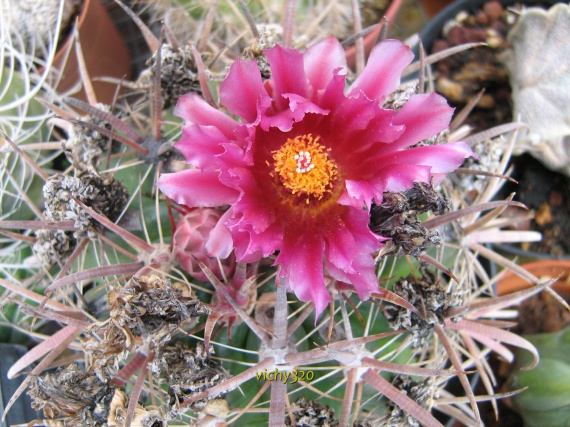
190,239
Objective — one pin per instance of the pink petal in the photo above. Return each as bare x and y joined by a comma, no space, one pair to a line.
322,60
401,177
341,248
354,114
333,96
220,243
298,107
251,246
367,129
394,177
195,110
380,129
302,267
350,239
235,155
349,252
195,188
382,73
423,116
201,145
254,206
282,121
242,90
363,280
443,158
287,73
359,194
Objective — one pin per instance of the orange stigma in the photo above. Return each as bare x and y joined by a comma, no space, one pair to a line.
304,167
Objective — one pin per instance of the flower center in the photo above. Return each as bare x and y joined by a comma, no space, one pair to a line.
304,167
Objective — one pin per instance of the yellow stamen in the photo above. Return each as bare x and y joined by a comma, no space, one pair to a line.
304,167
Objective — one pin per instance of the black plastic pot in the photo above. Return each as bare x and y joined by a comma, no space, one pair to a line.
432,31
514,251
22,411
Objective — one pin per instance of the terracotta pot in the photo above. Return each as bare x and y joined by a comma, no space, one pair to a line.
104,50
433,7
370,38
544,269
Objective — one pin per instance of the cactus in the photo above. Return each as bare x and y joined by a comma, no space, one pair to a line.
240,340
545,400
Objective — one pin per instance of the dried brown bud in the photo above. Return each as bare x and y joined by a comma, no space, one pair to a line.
430,296
71,396
397,218
309,413
147,308
104,194
421,392
144,417
54,246
84,145
187,372
155,302
178,73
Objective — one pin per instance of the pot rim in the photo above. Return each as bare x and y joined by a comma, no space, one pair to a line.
509,282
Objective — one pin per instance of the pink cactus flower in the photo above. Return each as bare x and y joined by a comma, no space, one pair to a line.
191,244
308,156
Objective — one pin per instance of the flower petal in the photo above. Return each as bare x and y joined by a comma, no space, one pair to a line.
382,73
400,177
333,95
360,130
302,266
394,177
423,116
351,235
321,61
242,90
287,73
254,207
251,246
380,129
443,158
298,107
349,252
220,242
354,114
195,188
201,145
195,110
359,194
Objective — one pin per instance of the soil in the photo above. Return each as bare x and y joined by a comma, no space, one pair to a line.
542,313
547,193
462,76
